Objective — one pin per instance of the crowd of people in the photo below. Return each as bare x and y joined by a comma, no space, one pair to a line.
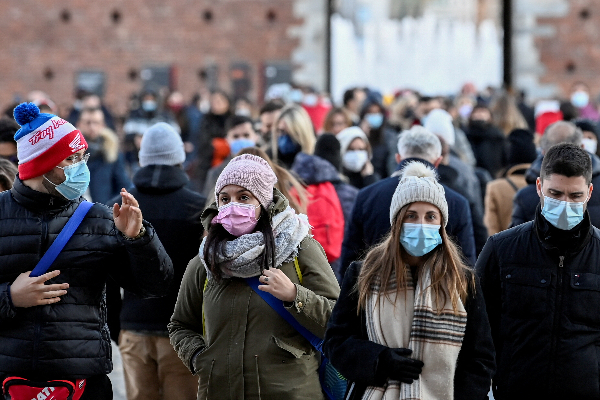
439,246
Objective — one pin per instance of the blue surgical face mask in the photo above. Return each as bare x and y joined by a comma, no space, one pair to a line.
148,105
374,120
76,182
564,215
580,99
420,239
287,146
237,145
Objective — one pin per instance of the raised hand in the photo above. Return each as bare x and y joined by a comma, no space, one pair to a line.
128,217
26,291
278,284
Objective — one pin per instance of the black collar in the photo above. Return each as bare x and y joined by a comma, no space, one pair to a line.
571,241
37,201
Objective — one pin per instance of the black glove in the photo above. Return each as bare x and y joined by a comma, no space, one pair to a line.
394,364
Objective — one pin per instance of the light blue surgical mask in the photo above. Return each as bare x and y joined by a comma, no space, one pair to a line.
149,105
374,120
237,145
564,215
580,99
420,239
76,182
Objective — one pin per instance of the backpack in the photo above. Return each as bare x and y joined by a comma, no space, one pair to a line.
326,217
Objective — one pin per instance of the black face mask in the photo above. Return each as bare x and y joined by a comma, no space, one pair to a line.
478,124
408,113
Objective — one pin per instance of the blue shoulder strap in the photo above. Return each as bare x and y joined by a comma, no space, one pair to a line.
277,305
62,239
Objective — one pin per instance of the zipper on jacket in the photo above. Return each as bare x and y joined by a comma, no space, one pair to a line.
556,320
257,376
38,312
212,364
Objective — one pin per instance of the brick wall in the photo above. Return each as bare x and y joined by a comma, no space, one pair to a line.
44,43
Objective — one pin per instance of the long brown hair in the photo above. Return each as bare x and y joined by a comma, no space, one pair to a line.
450,276
285,181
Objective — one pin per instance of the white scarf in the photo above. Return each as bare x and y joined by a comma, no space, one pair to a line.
241,256
411,322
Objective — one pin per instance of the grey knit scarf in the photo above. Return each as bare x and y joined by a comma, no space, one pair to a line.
241,257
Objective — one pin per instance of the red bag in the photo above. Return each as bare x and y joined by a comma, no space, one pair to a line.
15,388
326,217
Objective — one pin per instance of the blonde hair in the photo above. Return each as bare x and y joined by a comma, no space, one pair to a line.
450,276
285,181
506,114
299,127
328,123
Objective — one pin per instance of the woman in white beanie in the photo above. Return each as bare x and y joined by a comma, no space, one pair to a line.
222,327
356,157
411,322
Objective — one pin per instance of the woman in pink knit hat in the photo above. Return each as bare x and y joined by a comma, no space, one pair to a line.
222,329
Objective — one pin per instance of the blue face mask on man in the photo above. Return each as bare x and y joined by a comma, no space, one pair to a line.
238,145
76,182
420,239
564,215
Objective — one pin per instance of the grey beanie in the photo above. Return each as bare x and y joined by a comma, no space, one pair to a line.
161,145
418,183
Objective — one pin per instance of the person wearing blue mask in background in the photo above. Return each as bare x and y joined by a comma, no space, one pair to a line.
410,322
240,134
294,133
383,139
541,288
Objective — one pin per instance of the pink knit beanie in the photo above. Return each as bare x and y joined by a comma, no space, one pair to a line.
250,172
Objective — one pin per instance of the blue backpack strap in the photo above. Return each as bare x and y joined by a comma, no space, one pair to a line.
62,239
277,305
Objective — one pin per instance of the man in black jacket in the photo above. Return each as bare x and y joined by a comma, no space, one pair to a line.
150,363
541,285
54,326
368,224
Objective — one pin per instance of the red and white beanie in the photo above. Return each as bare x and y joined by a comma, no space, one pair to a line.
43,141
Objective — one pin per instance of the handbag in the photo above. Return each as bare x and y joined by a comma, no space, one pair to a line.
16,388
333,384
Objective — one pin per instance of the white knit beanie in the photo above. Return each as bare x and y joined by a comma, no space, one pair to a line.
161,145
347,135
418,183
439,122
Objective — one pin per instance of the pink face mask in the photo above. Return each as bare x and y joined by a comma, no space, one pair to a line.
237,218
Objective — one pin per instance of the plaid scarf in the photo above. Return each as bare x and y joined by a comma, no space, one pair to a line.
411,321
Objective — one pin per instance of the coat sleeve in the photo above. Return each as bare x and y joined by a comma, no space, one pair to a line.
317,295
7,309
476,361
143,267
491,219
464,233
353,243
120,179
185,328
519,215
487,269
348,349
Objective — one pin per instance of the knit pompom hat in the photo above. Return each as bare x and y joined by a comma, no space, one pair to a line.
347,135
250,172
43,141
418,183
161,145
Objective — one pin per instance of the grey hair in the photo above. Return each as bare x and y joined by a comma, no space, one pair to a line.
418,142
560,132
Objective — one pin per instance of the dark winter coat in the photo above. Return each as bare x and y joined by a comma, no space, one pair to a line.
349,349
370,220
68,339
359,181
107,168
526,200
542,292
489,146
174,211
212,127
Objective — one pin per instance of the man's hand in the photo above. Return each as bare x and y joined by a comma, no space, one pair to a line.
277,283
26,291
128,217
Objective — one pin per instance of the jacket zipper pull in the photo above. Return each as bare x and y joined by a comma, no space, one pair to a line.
51,201
560,263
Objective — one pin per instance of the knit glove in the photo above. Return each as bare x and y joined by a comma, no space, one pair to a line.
394,364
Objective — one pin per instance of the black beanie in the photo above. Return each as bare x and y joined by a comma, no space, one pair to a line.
521,149
328,148
586,125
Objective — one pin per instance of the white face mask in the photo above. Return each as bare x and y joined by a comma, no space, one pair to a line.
589,144
355,160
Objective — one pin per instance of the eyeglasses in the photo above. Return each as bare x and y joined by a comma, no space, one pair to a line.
75,158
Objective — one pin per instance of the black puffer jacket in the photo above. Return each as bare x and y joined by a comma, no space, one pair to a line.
542,292
69,339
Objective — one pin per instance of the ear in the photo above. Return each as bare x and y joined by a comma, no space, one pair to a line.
591,190
538,187
398,159
437,162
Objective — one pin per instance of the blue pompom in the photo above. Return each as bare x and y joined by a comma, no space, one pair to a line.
24,113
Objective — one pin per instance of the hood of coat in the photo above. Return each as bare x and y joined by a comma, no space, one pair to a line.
279,204
105,146
160,179
534,171
313,169
479,131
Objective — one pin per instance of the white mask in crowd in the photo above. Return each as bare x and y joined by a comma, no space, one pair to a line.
580,99
310,100
589,145
355,160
